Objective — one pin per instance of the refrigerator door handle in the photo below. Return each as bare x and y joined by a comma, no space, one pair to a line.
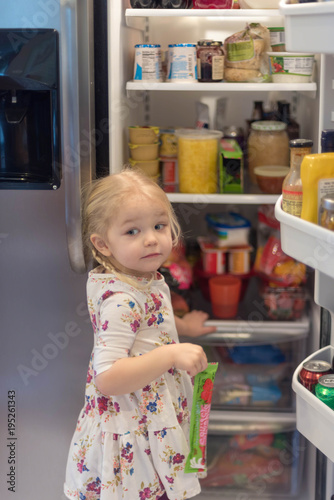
77,96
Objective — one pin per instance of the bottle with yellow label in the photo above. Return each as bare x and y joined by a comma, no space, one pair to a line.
292,188
317,175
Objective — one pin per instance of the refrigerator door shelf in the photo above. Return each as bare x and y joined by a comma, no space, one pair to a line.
311,244
315,420
309,27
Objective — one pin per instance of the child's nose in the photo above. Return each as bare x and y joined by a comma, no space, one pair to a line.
150,238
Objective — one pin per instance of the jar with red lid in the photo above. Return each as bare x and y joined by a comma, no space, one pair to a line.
210,61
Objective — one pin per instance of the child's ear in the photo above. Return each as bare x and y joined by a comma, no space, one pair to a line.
100,245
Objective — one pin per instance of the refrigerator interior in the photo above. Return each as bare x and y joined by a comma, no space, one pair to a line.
149,105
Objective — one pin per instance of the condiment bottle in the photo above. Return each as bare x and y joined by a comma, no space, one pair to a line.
284,116
292,189
317,174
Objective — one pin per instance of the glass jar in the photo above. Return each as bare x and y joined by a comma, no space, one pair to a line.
327,211
210,61
268,144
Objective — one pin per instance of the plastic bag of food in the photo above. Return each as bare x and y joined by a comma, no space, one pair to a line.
199,421
246,58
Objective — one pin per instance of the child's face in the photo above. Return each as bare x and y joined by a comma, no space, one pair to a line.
139,237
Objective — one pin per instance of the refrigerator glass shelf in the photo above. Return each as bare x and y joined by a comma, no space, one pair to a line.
309,26
221,86
226,14
315,420
307,242
230,422
241,199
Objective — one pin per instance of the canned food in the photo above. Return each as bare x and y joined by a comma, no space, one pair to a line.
312,371
324,390
168,145
239,259
182,63
148,63
277,39
168,170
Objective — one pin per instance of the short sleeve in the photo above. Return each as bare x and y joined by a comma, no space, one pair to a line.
120,317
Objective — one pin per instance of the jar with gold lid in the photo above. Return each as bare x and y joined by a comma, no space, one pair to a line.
210,61
268,144
327,211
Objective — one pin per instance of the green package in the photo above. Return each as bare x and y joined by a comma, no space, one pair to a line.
199,420
231,167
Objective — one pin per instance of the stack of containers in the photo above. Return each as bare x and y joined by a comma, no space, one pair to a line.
226,250
144,150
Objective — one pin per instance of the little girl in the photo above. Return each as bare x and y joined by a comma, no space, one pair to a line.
131,438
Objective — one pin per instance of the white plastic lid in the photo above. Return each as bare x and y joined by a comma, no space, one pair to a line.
198,133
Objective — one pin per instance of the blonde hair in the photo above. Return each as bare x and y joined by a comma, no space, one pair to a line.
101,201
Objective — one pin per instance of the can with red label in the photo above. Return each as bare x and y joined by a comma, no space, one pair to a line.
312,371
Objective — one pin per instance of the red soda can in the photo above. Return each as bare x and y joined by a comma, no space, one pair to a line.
312,371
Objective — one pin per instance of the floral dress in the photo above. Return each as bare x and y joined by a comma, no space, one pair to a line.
132,446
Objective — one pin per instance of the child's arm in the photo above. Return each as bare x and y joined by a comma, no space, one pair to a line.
127,375
192,324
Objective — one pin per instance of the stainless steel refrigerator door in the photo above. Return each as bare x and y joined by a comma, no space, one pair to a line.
77,84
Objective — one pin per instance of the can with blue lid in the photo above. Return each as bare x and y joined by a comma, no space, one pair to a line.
147,66
182,62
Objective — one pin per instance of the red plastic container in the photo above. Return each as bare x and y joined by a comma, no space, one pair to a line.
225,295
212,4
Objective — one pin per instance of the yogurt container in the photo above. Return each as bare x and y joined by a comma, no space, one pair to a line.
182,62
147,67
228,229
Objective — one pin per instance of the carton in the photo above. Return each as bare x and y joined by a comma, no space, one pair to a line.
231,167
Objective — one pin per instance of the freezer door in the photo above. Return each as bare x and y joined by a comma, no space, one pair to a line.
77,94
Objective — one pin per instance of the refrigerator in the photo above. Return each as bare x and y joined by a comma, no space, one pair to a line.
45,323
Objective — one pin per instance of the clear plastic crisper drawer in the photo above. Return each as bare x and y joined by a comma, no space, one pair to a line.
315,420
255,377
254,464
308,26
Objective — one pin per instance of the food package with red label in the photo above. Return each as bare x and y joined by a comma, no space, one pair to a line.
199,421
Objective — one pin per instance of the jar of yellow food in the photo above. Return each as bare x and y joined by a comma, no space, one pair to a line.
197,160
268,144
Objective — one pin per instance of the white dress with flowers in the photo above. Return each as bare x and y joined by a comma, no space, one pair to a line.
132,446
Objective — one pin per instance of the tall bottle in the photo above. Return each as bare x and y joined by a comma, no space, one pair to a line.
292,189
283,109
327,141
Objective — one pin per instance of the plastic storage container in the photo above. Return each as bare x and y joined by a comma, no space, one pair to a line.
284,303
228,229
197,160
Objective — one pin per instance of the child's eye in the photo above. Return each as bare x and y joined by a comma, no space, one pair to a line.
159,227
132,232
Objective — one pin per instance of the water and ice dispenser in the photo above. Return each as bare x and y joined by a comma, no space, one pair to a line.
29,109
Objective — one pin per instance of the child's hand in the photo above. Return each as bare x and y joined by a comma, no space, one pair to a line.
189,357
191,325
